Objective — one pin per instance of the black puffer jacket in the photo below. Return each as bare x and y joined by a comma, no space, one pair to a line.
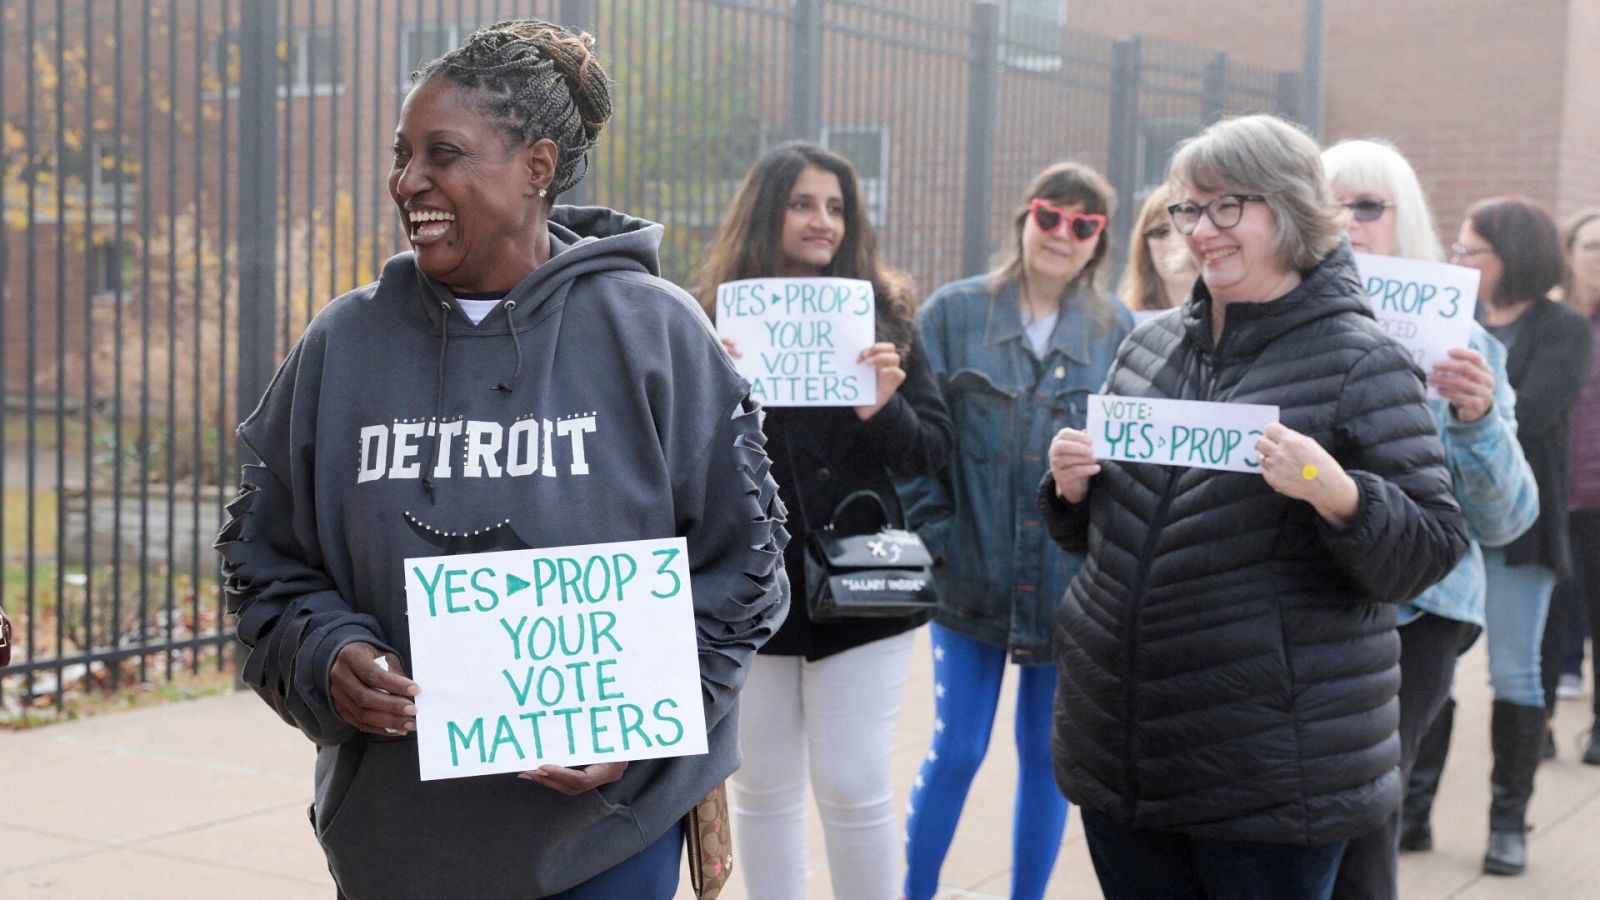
1228,661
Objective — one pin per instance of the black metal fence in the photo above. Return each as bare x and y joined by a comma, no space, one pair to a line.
187,181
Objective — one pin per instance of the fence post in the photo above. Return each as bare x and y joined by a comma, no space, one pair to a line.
1214,90
578,14
805,70
1289,95
981,117
258,203
257,220
1123,149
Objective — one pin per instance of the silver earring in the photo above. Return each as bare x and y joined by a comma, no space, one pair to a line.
542,192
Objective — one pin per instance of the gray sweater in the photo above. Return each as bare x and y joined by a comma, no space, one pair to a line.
595,406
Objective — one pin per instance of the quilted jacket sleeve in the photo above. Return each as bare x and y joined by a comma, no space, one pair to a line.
1408,531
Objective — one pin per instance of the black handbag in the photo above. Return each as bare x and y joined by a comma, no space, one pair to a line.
882,573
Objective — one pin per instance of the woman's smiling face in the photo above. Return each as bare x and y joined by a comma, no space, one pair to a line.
469,201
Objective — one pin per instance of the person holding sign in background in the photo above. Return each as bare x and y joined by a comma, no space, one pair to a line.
1160,270
1017,352
521,378
1386,213
1514,245
823,697
1578,598
1226,716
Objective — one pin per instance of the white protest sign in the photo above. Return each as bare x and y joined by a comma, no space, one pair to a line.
565,656
1188,433
798,338
1426,306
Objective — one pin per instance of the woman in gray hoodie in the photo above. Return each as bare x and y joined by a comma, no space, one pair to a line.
522,378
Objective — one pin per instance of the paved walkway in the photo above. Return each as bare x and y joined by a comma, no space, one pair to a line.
207,799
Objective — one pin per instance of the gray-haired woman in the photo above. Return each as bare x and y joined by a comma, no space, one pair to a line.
1226,712
509,317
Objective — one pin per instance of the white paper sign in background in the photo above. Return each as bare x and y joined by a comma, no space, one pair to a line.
1426,306
1188,433
799,338
564,656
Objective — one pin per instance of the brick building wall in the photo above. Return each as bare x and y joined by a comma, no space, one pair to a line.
1484,97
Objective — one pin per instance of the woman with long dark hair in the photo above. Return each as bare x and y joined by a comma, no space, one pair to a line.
824,696
1549,347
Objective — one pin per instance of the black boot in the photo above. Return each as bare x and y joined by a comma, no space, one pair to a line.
1415,831
1515,734
1591,754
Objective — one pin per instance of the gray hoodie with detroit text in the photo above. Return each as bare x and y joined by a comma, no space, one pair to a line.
594,405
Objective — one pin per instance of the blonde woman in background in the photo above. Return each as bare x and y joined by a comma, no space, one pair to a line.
1160,271
1386,213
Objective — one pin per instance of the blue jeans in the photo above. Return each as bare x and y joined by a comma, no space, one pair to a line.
650,874
1517,602
967,674
1134,865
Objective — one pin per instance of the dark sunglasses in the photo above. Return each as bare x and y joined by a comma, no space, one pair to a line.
1366,210
1082,226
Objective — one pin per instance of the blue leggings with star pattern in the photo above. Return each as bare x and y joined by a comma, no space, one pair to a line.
966,686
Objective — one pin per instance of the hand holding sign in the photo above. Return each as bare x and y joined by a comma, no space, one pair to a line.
885,361
1072,464
371,691
577,779
1296,466
1426,306
1466,381
798,338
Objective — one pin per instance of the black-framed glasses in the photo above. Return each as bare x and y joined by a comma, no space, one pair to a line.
1366,209
1224,211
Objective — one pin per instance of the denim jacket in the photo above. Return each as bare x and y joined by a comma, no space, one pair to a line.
1493,484
1000,577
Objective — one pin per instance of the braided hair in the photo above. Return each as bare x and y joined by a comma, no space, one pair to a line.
535,81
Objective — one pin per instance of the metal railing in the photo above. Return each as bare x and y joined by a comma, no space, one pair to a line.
186,182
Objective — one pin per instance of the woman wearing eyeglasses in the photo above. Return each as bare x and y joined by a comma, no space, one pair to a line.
1225,717
1159,271
1578,598
1514,244
1017,353
1476,420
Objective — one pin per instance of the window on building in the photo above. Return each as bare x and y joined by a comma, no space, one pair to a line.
310,62
867,148
88,173
112,270
427,41
313,62
1031,33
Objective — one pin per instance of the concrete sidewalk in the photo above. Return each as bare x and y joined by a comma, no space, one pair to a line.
207,798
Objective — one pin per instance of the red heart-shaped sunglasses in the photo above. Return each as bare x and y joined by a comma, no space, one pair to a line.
1081,226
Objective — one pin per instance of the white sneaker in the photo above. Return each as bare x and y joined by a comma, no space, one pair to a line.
1570,687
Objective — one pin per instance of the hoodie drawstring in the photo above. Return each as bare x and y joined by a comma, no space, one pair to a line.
503,387
438,388
438,404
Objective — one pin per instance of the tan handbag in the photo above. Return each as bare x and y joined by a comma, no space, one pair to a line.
708,842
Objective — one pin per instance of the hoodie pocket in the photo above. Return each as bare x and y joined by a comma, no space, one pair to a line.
394,835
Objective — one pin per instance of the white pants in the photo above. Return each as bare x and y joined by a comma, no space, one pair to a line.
832,720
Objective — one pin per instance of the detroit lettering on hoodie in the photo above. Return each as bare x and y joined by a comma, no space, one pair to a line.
473,448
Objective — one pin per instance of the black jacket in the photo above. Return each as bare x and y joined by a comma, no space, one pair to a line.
1547,368
820,455
1228,661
